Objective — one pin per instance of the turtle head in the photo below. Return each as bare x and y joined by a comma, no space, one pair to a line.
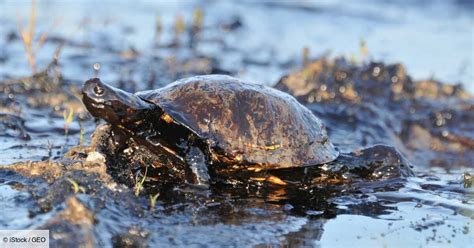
115,106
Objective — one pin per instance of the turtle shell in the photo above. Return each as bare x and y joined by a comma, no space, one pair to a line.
252,123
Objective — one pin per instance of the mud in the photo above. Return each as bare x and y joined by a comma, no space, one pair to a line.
404,176
426,120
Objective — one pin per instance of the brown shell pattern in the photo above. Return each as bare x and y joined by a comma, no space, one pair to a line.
256,124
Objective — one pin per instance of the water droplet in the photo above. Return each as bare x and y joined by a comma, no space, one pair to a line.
439,122
445,133
376,71
342,89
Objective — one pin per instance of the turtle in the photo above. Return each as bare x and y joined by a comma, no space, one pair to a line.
215,121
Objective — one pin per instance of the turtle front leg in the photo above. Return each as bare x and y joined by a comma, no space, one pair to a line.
196,172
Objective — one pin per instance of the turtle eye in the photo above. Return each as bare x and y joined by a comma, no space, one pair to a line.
99,91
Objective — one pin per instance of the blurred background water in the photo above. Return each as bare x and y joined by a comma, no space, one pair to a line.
432,38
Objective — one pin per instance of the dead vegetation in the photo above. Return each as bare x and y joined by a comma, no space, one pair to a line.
32,42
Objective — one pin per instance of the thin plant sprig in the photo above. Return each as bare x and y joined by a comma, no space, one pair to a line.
27,35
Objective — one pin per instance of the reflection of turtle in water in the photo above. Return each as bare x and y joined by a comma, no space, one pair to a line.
215,121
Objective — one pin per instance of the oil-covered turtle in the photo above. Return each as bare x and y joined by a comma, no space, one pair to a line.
216,121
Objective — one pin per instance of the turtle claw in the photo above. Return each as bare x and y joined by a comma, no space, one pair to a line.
270,179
